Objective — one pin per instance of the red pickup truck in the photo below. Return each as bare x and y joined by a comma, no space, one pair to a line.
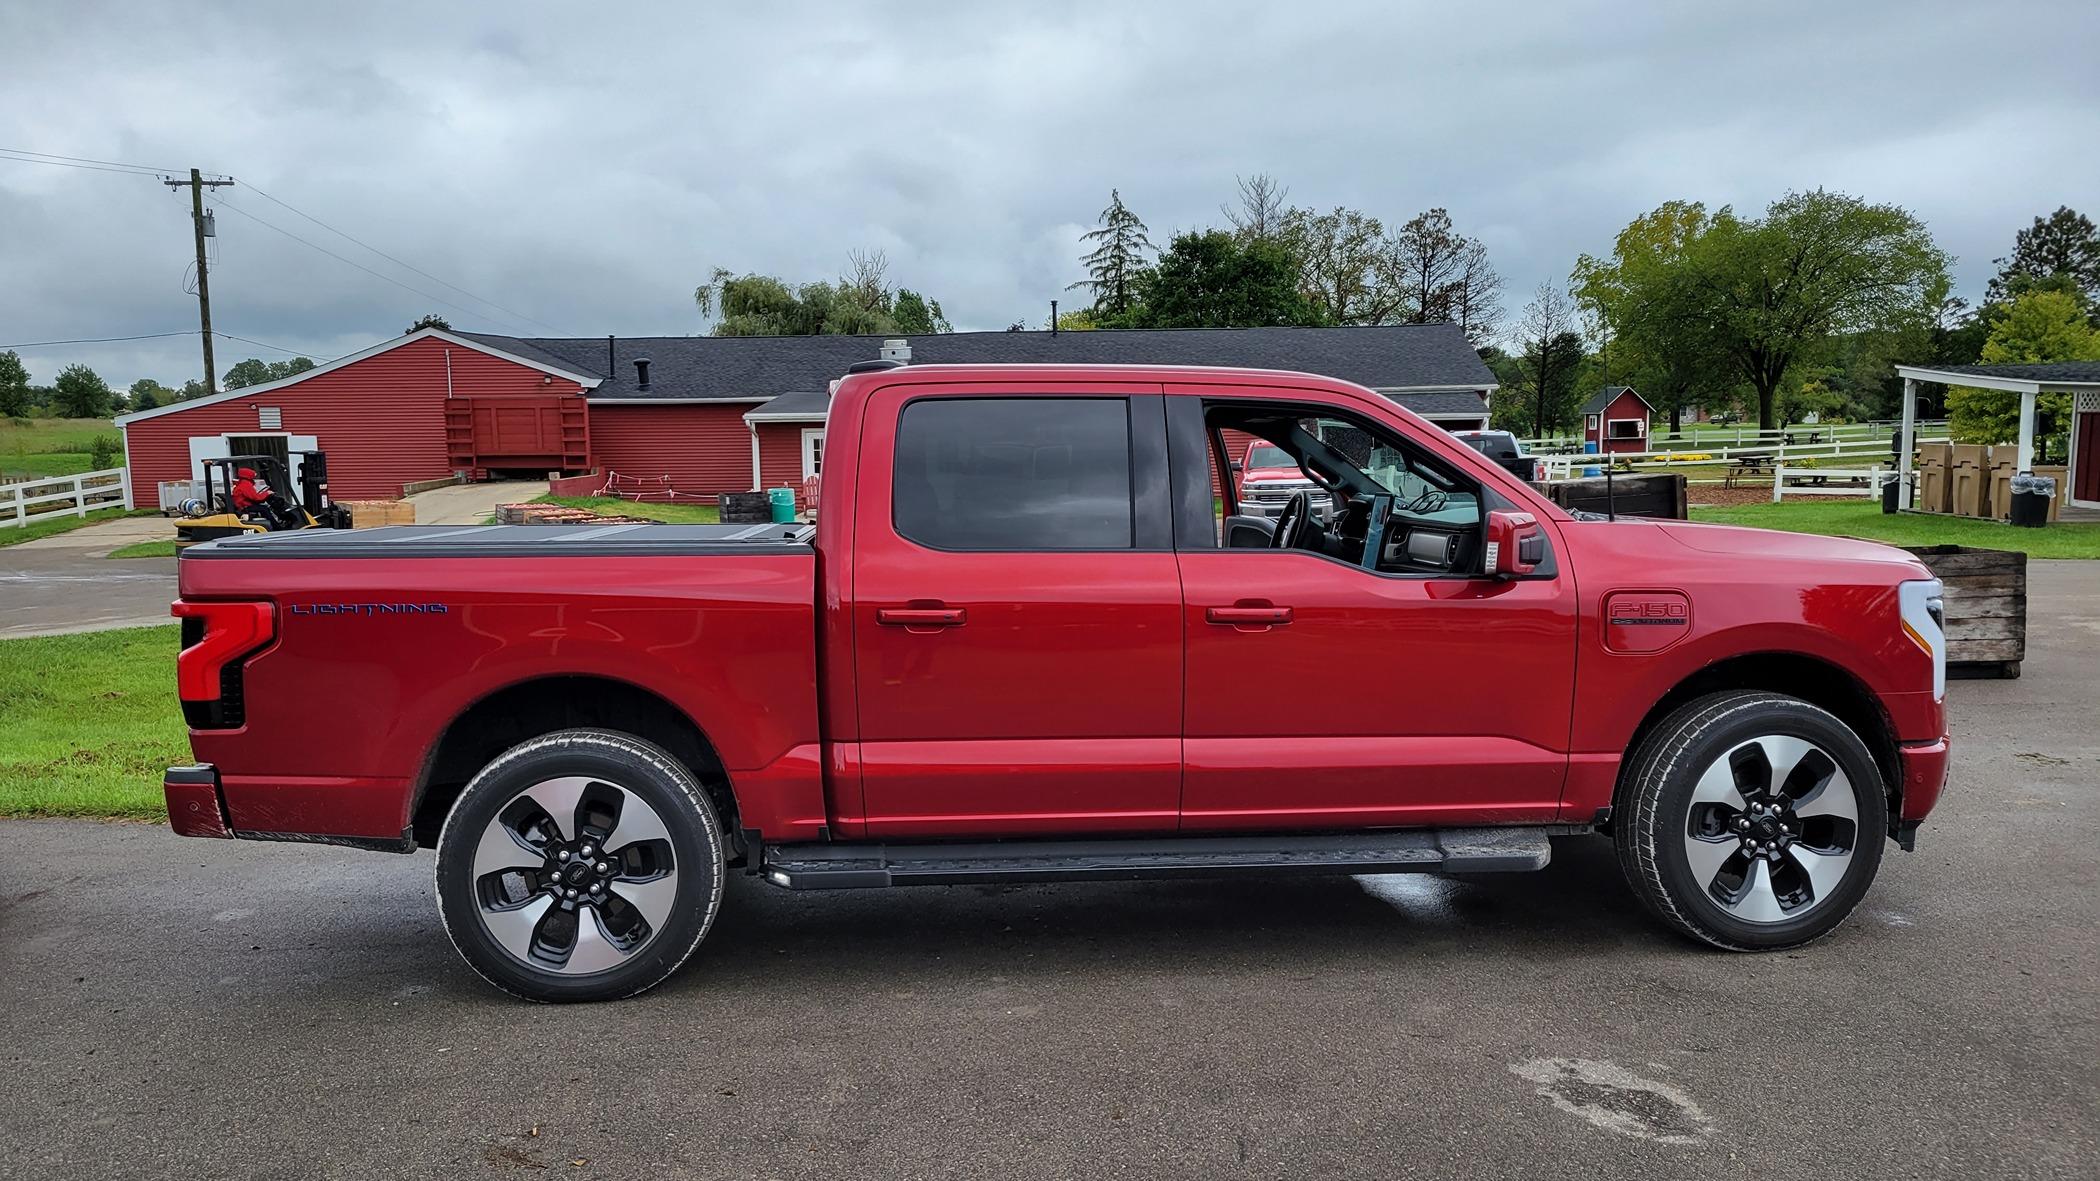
1013,648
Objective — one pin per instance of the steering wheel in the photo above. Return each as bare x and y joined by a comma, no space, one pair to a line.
1290,526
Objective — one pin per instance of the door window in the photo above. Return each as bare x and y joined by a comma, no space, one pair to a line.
1014,474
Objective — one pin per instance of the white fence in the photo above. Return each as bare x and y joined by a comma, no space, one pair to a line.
62,496
1755,458
1706,436
1815,481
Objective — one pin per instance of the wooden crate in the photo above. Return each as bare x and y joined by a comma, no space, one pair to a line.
1986,607
1657,494
369,514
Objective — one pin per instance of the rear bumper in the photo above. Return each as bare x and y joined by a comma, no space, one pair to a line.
195,806
1924,777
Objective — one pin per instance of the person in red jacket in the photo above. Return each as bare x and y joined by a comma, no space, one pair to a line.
253,495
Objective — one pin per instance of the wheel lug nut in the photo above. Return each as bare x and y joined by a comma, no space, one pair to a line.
603,866
586,851
571,892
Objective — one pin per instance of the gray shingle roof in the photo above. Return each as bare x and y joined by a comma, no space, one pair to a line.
1606,396
2074,372
732,367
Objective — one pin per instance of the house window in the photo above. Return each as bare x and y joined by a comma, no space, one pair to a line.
1593,421
269,418
812,452
1627,428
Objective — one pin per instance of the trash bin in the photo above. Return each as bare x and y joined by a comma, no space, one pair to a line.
1891,490
2031,495
783,502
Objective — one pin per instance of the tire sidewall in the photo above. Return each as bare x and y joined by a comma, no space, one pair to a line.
1775,716
633,764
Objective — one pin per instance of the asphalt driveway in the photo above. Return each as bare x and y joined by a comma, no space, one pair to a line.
219,1009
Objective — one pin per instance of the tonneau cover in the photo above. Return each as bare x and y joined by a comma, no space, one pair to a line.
513,541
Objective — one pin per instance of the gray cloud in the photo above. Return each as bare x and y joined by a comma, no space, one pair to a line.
586,166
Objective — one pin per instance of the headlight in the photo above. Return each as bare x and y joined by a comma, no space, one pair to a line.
1925,622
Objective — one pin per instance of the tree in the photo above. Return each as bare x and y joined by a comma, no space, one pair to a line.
918,316
1427,253
1552,355
1476,294
193,388
81,393
1214,279
2063,243
1653,321
255,371
432,320
861,302
1818,264
1114,263
14,386
1346,265
1260,216
2039,326
147,393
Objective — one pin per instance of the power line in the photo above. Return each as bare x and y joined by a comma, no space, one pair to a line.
259,344
26,156
405,265
224,204
38,344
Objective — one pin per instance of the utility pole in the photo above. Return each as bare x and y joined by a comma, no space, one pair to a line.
197,184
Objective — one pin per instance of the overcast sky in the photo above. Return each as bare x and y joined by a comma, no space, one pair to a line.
585,165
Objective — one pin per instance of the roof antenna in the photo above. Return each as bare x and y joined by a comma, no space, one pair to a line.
1053,317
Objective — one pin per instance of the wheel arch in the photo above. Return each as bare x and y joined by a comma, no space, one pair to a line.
1820,682
504,717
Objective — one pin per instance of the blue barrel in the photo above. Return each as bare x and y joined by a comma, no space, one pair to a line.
1590,448
783,502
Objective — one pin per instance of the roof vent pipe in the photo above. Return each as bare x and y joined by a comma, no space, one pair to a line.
612,364
641,373
898,350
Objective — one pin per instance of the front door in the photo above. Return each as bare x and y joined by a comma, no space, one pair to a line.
2085,476
1016,613
1327,692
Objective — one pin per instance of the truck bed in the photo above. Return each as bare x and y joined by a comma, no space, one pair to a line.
513,541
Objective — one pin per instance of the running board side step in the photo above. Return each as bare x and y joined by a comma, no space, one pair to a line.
1444,850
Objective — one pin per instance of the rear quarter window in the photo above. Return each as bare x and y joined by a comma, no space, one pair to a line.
1014,474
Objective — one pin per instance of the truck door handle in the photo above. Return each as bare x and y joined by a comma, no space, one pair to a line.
916,617
1247,616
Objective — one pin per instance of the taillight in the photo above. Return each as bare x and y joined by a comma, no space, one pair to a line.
215,636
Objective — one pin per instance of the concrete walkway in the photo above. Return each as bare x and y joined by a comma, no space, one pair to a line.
471,504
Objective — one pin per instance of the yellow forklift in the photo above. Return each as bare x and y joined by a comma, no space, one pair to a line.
213,515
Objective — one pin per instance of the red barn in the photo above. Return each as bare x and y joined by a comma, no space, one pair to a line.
699,414
1616,420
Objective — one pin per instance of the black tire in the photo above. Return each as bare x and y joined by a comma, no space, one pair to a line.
1653,820
643,771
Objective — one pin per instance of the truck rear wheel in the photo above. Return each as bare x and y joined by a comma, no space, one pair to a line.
1751,821
583,865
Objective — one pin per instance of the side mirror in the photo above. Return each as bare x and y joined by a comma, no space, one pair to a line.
1238,466
1516,545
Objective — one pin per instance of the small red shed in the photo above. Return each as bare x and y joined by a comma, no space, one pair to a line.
1616,420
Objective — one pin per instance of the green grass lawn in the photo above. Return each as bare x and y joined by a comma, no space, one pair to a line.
146,549
91,721
1864,518
35,529
671,514
31,448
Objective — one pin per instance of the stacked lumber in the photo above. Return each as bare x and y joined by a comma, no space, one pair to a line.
556,514
366,514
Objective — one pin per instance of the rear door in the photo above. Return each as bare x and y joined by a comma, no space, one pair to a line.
1016,612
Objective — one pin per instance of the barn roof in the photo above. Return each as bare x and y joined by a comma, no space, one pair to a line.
1414,357
1609,394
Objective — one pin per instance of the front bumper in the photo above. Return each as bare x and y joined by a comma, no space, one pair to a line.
1924,776
196,808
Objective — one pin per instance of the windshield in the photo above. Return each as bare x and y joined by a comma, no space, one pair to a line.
1270,455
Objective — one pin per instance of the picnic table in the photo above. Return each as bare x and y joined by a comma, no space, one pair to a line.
1751,463
1813,437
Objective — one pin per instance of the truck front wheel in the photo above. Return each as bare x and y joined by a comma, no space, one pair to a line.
583,865
1751,821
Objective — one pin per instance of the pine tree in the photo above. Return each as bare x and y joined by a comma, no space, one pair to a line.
1115,262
